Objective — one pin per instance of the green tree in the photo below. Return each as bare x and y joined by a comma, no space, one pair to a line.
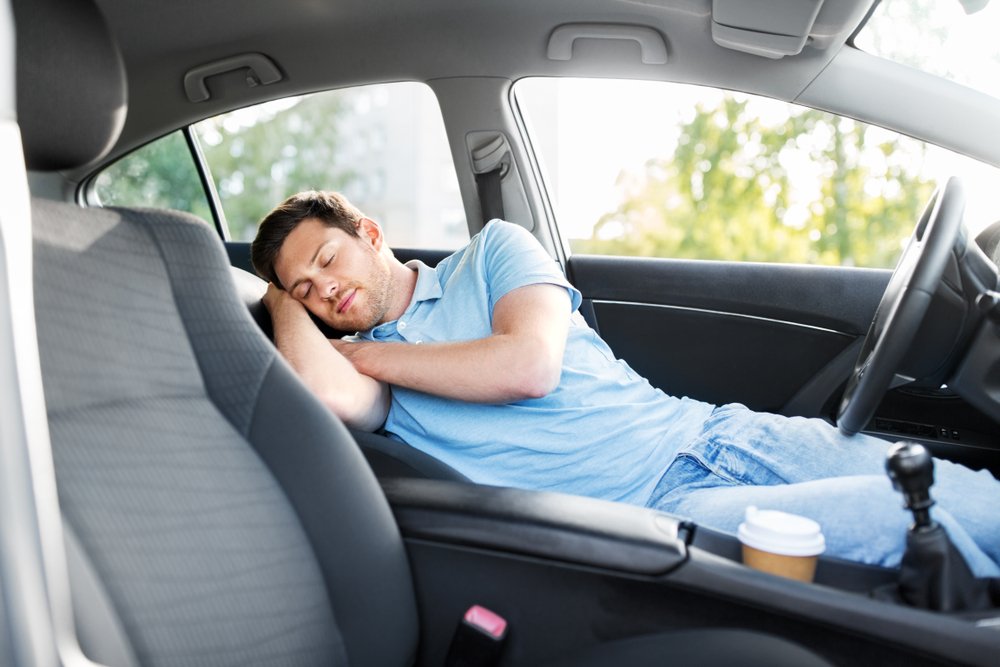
257,156
161,174
738,188
259,159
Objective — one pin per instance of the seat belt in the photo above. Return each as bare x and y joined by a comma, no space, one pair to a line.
490,196
491,161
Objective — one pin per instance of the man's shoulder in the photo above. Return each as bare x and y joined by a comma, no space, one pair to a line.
495,236
498,227
500,236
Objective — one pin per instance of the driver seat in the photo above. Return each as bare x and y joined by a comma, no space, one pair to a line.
214,512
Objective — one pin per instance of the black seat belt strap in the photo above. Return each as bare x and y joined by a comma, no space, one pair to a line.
490,196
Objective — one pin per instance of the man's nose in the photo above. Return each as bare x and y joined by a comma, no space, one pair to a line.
328,289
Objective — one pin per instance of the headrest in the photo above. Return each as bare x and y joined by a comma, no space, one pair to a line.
251,290
71,90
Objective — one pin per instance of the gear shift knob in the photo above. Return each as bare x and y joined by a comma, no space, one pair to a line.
911,470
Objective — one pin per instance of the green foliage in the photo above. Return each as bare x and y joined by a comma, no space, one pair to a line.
258,156
812,188
805,187
161,174
261,157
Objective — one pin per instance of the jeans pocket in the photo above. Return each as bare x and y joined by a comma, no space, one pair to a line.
722,414
744,447
686,473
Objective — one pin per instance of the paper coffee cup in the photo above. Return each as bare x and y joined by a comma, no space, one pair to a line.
781,543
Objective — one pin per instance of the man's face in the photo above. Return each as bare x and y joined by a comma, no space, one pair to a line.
341,279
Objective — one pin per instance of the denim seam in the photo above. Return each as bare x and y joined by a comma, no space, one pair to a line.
714,470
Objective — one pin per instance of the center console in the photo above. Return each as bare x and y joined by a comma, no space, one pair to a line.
620,571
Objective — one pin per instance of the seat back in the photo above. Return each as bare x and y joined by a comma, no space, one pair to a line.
214,511
224,510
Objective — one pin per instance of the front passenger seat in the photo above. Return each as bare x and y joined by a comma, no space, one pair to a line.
214,511
221,513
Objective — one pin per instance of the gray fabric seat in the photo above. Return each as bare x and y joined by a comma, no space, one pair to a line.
199,476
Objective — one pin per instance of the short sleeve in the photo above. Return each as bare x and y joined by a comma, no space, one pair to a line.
513,258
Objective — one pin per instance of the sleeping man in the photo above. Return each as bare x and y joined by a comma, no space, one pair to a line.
484,363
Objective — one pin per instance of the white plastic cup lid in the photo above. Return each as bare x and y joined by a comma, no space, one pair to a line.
781,533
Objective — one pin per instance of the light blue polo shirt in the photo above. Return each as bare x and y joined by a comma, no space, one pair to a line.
603,432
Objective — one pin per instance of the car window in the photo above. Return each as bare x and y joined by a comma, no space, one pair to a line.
161,174
384,146
672,170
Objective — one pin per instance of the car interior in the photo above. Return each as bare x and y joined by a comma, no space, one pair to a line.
171,493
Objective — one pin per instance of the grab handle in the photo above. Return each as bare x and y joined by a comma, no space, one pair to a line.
261,71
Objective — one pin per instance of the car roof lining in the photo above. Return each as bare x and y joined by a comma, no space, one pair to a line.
346,45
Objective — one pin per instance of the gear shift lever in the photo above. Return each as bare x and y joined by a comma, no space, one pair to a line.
911,470
933,574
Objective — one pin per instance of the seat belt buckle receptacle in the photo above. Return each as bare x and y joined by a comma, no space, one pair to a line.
478,639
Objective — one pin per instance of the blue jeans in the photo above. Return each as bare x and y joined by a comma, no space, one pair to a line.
805,466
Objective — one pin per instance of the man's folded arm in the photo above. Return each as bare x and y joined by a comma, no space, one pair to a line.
521,359
360,401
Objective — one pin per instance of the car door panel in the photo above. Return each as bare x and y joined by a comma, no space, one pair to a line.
778,338
757,334
715,356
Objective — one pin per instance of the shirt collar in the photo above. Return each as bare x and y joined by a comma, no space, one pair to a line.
428,287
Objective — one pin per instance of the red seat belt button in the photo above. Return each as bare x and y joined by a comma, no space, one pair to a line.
478,640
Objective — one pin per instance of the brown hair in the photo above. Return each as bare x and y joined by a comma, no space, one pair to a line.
331,208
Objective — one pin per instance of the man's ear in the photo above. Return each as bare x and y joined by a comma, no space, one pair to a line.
371,232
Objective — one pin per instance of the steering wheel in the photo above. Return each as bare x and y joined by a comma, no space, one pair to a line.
903,306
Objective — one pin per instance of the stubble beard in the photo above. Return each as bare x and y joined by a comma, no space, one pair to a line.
379,297
378,291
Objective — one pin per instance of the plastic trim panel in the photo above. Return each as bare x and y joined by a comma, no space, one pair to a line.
565,528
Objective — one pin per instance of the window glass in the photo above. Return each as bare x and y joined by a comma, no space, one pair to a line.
671,170
161,174
383,146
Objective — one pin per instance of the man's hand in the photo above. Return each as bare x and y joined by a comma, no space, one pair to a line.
367,357
521,359
351,350
275,299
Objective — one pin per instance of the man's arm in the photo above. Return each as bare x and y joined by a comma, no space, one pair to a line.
521,359
359,401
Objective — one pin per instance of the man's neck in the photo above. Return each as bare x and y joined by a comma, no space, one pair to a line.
404,281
